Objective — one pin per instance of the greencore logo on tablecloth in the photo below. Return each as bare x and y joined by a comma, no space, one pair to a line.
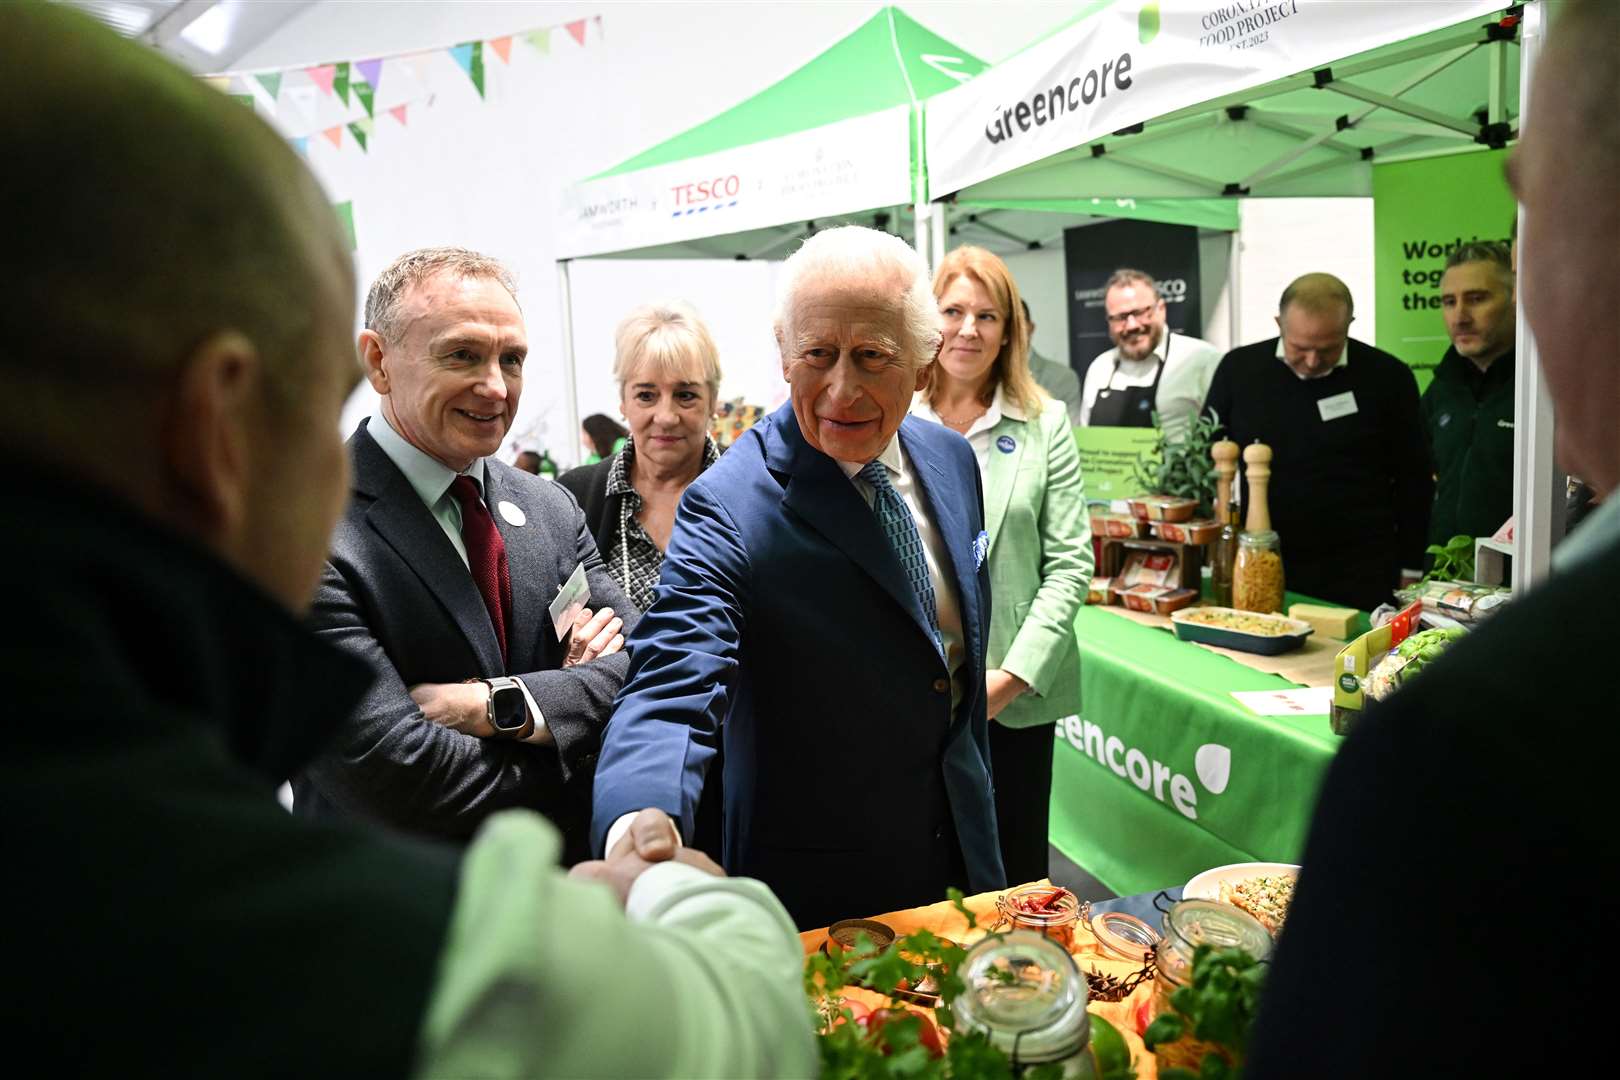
1212,764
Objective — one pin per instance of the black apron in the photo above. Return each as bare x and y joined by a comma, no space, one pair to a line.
1131,406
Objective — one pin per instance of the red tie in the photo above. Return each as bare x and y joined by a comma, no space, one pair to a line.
486,555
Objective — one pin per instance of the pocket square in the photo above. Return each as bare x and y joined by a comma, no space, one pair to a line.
981,545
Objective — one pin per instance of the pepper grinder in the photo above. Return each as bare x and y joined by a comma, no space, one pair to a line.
1224,549
1257,458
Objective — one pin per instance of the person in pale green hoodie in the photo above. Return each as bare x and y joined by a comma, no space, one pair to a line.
1037,532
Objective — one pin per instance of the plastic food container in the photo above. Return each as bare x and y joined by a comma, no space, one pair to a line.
1187,532
1101,591
1174,600
1113,526
1163,508
1290,633
1143,597
1148,568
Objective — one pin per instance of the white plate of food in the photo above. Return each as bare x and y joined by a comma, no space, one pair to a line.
1263,889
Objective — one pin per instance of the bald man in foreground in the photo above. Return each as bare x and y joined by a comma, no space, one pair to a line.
179,291
1451,886
1351,486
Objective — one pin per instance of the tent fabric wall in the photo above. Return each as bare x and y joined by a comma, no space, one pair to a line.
1299,110
839,135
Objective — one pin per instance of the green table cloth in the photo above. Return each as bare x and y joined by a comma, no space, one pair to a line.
1163,774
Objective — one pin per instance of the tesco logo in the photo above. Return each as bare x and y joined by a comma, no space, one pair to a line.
702,191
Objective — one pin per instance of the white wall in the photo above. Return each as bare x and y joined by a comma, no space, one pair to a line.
1284,238
735,299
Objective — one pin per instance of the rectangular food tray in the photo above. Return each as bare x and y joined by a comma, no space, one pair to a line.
1264,644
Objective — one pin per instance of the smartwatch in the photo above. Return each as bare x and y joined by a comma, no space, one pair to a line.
507,711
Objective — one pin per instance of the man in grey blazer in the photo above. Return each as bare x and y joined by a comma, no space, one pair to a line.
442,573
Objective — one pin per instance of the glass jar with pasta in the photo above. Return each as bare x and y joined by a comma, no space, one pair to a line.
1257,572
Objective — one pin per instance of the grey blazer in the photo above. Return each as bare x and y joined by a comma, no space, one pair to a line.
396,594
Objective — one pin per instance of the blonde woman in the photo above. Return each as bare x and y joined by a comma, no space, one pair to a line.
1040,541
668,372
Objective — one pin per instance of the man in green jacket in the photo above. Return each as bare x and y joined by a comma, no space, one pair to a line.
1468,408
179,289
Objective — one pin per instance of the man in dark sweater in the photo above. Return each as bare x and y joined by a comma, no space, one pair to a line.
1468,408
1478,800
1350,479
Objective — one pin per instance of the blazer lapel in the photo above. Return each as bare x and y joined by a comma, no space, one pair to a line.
819,493
949,508
998,480
406,525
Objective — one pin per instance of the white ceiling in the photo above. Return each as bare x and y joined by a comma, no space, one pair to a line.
204,35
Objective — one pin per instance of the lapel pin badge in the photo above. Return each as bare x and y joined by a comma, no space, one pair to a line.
512,513
981,545
1006,444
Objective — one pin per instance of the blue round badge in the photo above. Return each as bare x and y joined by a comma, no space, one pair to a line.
1006,444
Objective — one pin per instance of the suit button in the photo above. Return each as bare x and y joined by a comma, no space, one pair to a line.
939,833
941,685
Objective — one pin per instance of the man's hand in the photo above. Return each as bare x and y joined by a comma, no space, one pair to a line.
1001,688
462,707
594,635
651,839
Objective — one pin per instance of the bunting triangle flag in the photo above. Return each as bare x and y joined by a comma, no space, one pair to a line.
371,71
503,48
244,99
334,135
471,58
345,216
323,76
365,92
358,130
271,81
340,81
301,144
398,113
576,30
540,39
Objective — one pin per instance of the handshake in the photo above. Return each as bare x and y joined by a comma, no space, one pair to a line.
651,839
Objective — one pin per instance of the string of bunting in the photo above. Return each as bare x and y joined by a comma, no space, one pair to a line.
355,82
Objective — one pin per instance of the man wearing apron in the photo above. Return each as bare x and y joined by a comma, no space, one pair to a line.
1149,368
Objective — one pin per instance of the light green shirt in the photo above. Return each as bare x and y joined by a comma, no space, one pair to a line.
428,477
542,975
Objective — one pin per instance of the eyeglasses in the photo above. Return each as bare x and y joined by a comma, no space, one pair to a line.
1140,315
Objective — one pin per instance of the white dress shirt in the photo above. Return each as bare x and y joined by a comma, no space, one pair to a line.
978,433
1188,370
1344,358
948,607
431,481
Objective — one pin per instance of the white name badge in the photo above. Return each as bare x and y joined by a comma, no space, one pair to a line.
1337,406
573,596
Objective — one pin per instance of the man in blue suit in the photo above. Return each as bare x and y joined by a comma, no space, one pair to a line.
822,619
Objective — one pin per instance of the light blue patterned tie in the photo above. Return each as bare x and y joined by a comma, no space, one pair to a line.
901,531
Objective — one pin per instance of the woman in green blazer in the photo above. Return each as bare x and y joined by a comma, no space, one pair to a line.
1040,538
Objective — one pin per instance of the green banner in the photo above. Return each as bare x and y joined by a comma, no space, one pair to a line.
1163,774
1108,459
1422,212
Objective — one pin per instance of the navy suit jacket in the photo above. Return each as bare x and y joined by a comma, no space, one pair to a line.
784,629
396,594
